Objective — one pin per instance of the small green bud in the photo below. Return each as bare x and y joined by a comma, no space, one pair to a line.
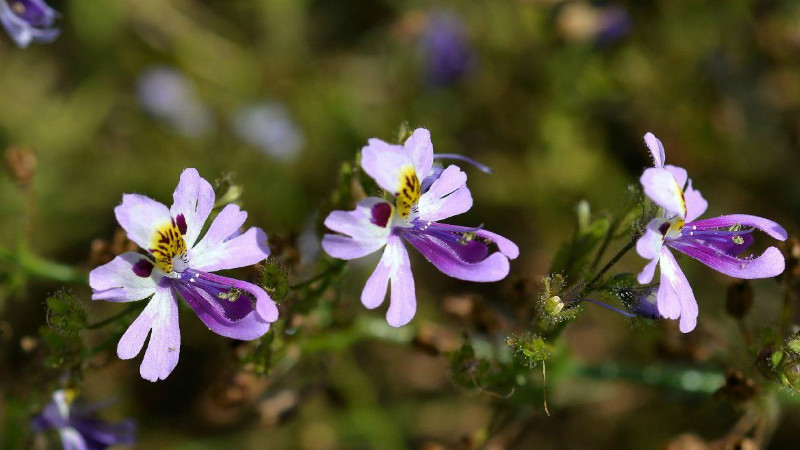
793,345
776,358
227,191
584,213
553,306
65,314
530,349
274,280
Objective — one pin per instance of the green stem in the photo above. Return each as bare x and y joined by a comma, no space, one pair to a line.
786,309
592,284
41,268
104,322
335,268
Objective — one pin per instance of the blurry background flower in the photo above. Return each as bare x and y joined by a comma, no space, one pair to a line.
601,24
269,127
28,21
169,96
448,55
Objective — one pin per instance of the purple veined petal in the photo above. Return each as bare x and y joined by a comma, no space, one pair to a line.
770,264
71,439
194,199
503,244
767,226
35,12
482,167
236,320
656,149
402,300
117,281
679,173
649,245
385,163
675,295
265,307
457,260
696,205
448,196
420,147
141,216
661,187
367,228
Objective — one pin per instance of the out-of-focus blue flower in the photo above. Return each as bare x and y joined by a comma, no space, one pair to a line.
269,127
583,22
28,21
76,426
167,95
447,54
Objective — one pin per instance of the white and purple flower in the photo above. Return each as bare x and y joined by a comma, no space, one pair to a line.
714,242
423,194
76,426
28,21
179,263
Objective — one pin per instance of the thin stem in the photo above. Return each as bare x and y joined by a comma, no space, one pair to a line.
338,266
624,313
592,284
37,267
104,322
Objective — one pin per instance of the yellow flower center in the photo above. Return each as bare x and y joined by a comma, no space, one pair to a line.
167,243
410,191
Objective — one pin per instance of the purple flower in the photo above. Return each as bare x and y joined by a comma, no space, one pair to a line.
76,426
167,95
269,126
177,263
28,21
714,242
445,49
413,215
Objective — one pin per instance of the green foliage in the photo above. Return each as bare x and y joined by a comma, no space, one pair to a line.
274,279
65,314
574,257
530,349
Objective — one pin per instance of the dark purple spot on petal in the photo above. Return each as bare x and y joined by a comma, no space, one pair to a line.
181,223
381,214
143,268
664,228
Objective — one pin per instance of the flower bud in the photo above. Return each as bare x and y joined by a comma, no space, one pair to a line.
21,163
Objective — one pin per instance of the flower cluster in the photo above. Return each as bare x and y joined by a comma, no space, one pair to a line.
714,242
422,195
179,263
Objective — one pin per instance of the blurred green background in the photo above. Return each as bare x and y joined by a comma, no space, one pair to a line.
553,95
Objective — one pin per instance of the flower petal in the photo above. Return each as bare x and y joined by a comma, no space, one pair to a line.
403,300
117,281
100,434
375,288
646,275
504,245
160,318
455,258
364,235
660,185
223,247
649,245
420,147
141,216
265,307
767,226
215,313
770,264
194,198
675,295
679,173
71,439
448,196
696,205
656,149
385,163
